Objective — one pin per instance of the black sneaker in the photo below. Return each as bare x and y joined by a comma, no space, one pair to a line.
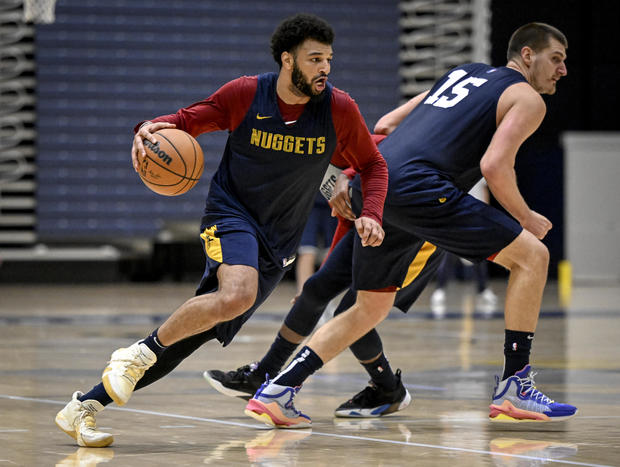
374,401
242,382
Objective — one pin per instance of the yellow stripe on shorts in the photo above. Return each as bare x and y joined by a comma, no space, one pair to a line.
213,246
418,263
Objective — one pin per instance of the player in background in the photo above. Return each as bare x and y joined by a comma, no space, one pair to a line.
470,124
315,240
284,128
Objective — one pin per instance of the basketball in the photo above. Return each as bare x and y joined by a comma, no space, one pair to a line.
172,166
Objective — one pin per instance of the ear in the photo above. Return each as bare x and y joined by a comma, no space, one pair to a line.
527,55
287,60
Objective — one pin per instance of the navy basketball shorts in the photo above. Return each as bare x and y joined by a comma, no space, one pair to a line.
420,266
398,262
443,217
407,295
409,268
234,242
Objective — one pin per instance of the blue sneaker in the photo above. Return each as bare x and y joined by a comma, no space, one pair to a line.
516,399
273,404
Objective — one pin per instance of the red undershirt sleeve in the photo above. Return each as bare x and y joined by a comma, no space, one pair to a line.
225,109
358,150
349,172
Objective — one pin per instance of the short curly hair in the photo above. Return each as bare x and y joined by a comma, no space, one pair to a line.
294,30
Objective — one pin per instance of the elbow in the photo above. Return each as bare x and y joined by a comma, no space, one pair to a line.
382,128
488,169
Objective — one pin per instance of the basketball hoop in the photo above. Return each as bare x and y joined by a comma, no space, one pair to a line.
39,11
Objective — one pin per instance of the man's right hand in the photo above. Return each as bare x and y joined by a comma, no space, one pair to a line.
145,132
537,224
340,201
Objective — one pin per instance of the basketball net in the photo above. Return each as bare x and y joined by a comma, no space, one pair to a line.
39,11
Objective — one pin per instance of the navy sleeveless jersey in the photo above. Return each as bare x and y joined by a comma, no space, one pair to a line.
270,172
450,130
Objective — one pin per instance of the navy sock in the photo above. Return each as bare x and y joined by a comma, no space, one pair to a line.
273,361
381,373
303,365
517,346
97,393
153,343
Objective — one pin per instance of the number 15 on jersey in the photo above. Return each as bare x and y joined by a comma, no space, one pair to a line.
457,88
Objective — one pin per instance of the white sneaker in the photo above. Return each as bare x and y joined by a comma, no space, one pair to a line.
486,301
77,419
124,370
438,303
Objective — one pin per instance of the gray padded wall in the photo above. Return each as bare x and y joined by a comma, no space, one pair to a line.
104,66
591,211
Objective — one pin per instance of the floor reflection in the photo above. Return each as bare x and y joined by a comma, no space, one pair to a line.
87,457
275,447
537,451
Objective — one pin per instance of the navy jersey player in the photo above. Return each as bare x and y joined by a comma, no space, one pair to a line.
284,128
470,124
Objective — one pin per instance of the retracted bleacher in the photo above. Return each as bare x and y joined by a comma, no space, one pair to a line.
102,67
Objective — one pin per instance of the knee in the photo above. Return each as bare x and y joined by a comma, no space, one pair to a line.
316,294
236,301
543,255
312,287
375,306
538,255
535,257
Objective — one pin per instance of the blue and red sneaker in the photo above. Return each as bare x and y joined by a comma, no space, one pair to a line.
273,405
516,399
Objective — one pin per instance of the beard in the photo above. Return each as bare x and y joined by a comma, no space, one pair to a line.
302,85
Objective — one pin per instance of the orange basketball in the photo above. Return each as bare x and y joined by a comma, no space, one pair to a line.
173,165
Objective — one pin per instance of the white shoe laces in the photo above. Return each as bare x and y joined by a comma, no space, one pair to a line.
528,388
134,365
86,419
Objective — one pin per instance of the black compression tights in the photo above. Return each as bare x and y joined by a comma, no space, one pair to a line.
173,355
307,310
302,319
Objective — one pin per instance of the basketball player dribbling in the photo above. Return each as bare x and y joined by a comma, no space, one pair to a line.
284,128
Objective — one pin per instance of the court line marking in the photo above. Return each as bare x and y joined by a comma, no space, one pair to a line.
329,435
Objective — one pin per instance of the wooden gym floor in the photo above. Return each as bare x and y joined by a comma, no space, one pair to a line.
55,339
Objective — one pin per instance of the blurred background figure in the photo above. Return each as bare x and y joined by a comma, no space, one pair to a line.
453,266
315,240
